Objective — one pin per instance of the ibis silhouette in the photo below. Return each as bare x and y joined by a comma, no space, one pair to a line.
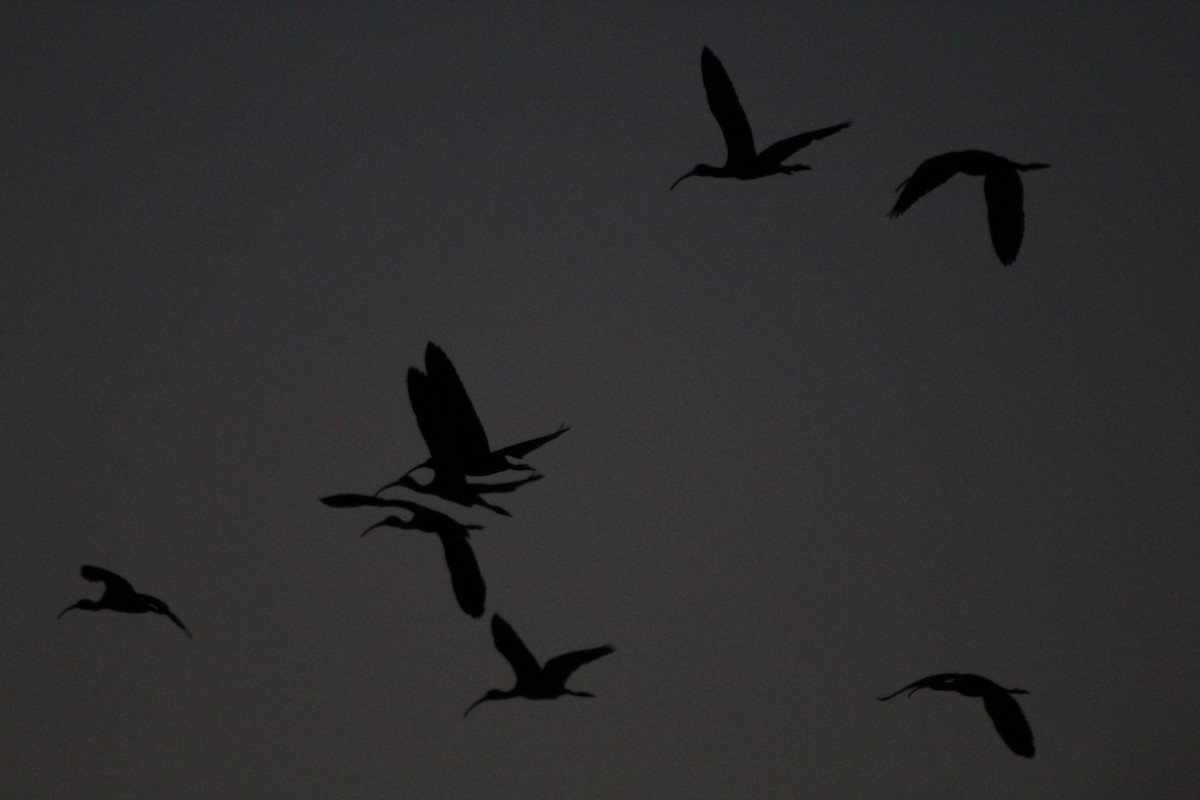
742,161
534,681
119,595
465,577
1006,714
453,486
1002,190
451,428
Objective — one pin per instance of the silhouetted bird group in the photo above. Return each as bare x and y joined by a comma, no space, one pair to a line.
1001,186
459,449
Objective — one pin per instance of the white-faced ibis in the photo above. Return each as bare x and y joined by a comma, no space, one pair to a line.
1002,190
534,681
1006,714
451,428
465,577
119,595
742,161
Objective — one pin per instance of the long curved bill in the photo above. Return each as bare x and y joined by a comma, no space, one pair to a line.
680,178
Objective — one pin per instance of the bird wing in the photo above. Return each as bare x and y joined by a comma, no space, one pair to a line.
462,423
512,648
112,581
1006,214
559,668
931,174
723,102
430,416
776,153
465,577
519,449
1010,722
359,500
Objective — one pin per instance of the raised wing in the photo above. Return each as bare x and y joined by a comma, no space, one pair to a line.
559,668
520,449
512,648
1010,722
723,102
1006,214
465,577
776,153
431,418
931,174
112,581
462,423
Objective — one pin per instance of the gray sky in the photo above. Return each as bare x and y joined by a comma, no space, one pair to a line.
815,453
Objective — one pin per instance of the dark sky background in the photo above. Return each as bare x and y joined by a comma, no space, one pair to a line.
815,453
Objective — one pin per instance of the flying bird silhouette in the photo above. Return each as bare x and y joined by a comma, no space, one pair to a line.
742,161
119,595
453,486
465,577
1002,190
451,428
534,681
1006,714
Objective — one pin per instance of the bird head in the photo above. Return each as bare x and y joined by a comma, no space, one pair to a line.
491,694
391,522
706,170
87,605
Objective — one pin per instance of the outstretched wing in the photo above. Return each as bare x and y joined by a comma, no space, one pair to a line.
512,648
1010,722
931,174
508,486
465,577
1006,214
559,668
112,581
776,153
519,449
462,426
430,416
723,102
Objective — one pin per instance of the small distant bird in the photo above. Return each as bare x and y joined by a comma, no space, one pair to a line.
465,577
119,595
742,161
1002,190
1006,714
451,428
534,681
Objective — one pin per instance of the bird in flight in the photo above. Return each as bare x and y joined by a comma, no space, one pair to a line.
465,577
742,161
119,595
1006,714
1002,190
451,428
453,486
535,681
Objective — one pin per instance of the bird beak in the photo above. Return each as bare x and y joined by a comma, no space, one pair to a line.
477,702
65,610
681,177
390,485
373,527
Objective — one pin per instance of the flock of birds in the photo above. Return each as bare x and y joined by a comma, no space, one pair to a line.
459,449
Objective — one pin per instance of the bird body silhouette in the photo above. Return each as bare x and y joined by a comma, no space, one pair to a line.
119,595
465,577
1002,190
450,425
535,681
742,160
1005,712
